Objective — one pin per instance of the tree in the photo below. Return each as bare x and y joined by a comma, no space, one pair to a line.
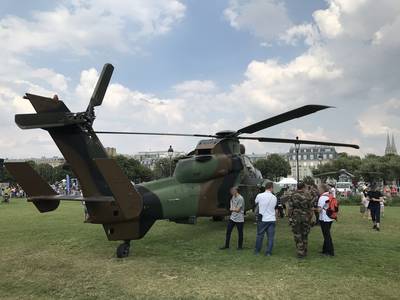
350,163
5,176
61,172
135,171
273,167
164,166
375,168
45,171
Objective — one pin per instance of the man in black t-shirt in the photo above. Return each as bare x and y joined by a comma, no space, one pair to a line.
375,198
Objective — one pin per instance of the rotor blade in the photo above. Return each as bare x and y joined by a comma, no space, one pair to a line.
296,141
284,117
101,86
155,133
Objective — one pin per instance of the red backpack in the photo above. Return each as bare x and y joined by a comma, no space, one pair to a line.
333,207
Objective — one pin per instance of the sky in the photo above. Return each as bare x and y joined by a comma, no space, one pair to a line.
204,66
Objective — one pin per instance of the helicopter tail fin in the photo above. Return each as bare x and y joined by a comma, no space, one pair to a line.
128,199
33,185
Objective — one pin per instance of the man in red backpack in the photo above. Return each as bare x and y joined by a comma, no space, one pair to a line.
325,221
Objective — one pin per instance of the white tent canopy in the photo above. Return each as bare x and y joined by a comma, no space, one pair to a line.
287,181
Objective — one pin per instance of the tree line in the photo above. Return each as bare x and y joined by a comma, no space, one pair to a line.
134,170
371,168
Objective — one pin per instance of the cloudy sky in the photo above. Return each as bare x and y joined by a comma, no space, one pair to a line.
204,66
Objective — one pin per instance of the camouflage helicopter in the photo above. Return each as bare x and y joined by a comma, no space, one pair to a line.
199,186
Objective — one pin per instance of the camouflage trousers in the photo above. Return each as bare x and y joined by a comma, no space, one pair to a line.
300,232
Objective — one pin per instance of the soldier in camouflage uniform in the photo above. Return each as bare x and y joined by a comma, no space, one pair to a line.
300,211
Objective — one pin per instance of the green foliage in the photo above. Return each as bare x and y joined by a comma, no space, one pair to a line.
135,171
5,176
344,161
371,168
61,172
164,167
46,171
384,167
131,167
273,167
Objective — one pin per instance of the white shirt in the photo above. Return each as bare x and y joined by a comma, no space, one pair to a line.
266,206
323,205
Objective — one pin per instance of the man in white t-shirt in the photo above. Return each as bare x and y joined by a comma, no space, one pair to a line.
266,222
324,220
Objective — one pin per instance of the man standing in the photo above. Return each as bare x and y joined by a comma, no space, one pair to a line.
236,219
324,221
267,209
300,211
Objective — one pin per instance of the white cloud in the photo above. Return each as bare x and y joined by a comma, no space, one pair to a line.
265,19
307,32
380,119
328,20
78,27
82,25
318,134
195,87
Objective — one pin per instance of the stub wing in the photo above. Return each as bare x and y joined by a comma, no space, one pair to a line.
33,185
39,192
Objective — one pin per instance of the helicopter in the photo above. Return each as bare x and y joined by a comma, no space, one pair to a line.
199,186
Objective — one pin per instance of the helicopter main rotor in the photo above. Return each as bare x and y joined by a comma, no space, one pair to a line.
269,122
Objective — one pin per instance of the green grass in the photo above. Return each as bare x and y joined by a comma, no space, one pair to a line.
55,255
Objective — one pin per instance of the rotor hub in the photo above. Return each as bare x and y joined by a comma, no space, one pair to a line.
225,133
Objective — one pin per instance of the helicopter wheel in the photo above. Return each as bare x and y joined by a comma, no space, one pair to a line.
123,249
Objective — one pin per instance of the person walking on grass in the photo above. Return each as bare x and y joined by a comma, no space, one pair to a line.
267,206
375,199
236,218
324,221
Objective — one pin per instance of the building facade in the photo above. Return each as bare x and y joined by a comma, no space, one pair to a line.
310,158
111,151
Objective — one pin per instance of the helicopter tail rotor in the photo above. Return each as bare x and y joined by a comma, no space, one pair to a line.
101,88
52,113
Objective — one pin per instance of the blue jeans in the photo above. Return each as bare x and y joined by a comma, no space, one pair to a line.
262,228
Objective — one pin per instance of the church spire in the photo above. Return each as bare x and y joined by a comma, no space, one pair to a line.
388,145
393,146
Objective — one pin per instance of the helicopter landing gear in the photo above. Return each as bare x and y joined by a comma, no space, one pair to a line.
123,249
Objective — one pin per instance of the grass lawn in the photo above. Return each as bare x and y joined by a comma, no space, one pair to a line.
55,255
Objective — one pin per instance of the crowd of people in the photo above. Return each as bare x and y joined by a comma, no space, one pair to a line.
8,192
305,207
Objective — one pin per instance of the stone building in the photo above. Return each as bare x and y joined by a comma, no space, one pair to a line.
310,158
